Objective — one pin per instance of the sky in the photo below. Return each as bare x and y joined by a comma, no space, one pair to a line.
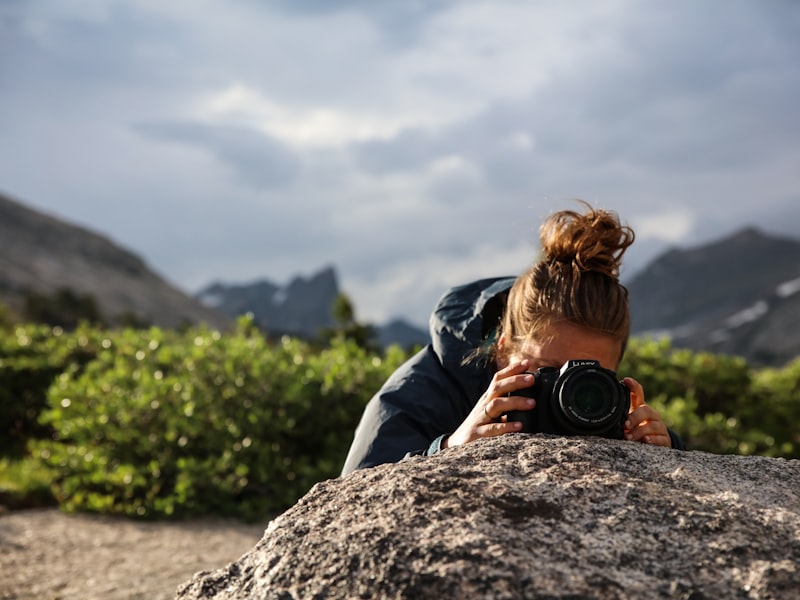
411,145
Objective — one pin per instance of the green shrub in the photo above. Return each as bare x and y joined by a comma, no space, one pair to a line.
25,483
716,402
774,411
168,424
154,423
31,356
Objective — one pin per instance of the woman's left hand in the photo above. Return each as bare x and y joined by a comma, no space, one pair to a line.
644,424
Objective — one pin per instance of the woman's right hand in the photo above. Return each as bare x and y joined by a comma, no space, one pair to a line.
487,418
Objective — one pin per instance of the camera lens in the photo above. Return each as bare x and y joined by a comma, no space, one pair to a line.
591,396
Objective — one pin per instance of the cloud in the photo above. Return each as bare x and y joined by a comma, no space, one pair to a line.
419,289
259,159
655,100
668,227
411,144
400,21
297,126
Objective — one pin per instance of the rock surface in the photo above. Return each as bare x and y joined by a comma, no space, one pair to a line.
533,516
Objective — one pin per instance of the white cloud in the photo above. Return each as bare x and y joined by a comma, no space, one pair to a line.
412,145
418,281
314,126
671,226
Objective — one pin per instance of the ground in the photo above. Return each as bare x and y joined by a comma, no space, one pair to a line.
48,555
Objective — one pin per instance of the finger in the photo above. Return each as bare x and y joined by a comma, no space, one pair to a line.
499,428
637,392
641,415
513,383
658,440
648,428
497,409
517,366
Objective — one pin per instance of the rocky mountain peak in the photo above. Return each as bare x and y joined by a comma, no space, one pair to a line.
724,297
303,307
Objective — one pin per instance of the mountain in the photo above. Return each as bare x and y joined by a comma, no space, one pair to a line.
303,307
739,295
43,255
401,333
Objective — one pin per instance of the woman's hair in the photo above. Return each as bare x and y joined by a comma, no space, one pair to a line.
577,281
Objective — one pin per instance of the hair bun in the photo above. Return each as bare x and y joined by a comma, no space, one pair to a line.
592,241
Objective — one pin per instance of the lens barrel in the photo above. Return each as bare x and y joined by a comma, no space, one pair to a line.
590,398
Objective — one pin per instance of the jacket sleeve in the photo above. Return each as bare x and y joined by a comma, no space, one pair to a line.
677,442
416,405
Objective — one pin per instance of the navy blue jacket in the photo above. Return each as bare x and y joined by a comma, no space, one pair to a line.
429,396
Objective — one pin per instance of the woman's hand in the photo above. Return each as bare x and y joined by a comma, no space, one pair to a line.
486,418
644,424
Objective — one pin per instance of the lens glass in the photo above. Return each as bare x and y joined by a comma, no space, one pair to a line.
591,397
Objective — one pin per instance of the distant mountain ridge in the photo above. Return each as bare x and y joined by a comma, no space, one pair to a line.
42,254
303,307
738,295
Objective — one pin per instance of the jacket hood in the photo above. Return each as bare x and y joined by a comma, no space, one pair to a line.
464,316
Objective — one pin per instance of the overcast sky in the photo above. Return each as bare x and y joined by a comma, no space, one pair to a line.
411,144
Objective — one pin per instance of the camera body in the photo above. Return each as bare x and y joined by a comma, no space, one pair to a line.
580,398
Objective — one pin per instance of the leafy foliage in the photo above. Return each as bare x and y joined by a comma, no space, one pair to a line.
166,423
348,327
31,356
25,483
717,403
155,423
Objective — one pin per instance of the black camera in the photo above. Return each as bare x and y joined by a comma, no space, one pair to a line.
581,398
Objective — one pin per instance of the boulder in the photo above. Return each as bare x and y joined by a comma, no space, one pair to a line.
524,516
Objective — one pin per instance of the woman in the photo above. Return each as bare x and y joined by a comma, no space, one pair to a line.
490,335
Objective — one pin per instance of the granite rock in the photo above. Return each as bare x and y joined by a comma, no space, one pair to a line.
523,516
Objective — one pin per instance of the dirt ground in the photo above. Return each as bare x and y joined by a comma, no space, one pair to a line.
48,555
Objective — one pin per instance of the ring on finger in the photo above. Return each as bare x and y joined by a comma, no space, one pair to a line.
486,412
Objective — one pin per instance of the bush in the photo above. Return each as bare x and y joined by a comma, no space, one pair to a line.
25,483
717,403
774,411
176,424
154,423
31,356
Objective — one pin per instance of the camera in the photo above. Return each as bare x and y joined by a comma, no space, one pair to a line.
580,398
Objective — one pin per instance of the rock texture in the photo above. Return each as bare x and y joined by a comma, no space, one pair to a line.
533,516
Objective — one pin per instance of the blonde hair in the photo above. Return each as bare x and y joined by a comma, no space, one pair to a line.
577,280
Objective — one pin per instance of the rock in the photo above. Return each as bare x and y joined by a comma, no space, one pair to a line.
524,516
